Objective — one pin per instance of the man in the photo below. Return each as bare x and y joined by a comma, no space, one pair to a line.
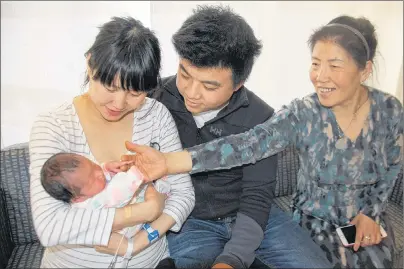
229,225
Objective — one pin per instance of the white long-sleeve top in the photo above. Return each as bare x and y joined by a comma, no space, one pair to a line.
68,233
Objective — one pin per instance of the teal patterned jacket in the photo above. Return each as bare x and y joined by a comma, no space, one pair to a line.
338,178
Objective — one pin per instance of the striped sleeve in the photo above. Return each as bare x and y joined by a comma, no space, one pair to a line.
181,201
56,222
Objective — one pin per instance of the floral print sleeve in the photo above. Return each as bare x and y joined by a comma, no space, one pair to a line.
376,198
262,141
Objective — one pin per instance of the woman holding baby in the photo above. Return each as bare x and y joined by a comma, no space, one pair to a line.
123,66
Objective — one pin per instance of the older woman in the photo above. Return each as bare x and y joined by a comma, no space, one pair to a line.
350,140
123,66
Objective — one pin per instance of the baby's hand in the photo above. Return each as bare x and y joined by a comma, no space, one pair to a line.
116,166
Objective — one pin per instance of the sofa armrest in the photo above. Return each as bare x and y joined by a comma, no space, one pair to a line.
6,244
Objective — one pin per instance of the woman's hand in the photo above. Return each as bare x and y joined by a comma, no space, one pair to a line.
152,163
367,231
137,213
113,244
155,201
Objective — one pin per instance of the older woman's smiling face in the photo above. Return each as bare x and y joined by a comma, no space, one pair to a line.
334,74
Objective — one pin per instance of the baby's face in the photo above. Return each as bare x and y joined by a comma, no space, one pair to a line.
87,180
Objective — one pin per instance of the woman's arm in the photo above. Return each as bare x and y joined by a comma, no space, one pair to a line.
376,198
57,222
262,141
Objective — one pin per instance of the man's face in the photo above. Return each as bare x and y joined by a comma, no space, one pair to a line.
204,89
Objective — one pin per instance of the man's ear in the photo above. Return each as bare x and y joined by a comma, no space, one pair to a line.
238,86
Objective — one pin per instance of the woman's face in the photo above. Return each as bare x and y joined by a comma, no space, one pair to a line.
334,74
113,102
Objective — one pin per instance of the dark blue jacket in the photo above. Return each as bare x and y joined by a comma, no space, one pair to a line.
226,193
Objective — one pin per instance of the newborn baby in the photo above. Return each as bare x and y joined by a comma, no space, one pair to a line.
74,179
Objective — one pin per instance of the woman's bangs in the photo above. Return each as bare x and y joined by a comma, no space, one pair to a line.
132,77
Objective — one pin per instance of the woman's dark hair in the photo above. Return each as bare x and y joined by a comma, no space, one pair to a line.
215,36
348,39
126,48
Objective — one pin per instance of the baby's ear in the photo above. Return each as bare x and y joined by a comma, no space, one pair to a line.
79,199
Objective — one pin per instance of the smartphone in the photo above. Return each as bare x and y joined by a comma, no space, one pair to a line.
347,234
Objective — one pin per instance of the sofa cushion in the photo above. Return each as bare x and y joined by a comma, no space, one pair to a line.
395,214
26,256
14,181
6,245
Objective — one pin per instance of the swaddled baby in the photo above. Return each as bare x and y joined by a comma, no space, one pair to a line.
74,179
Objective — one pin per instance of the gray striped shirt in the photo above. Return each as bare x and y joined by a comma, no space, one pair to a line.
68,233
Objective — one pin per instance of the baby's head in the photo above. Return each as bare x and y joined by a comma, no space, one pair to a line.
70,177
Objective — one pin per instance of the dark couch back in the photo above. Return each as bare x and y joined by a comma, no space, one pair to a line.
14,183
7,245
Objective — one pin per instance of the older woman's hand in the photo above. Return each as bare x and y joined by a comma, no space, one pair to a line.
152,163
367,231
116,166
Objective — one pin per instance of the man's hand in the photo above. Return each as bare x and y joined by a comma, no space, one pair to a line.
367,231
117,166
222,266
152,163
113,244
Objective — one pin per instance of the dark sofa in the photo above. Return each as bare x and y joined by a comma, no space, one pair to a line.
19,245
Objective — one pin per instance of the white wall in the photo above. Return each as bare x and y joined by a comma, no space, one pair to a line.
42,55
42,47
400,89
281,72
